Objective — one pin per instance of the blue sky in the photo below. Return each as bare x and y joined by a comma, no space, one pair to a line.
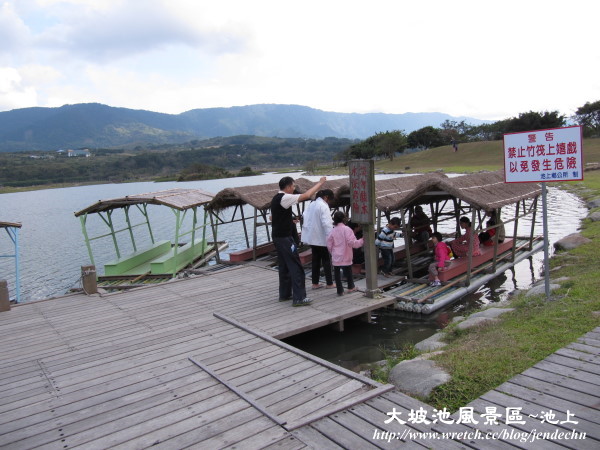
481,59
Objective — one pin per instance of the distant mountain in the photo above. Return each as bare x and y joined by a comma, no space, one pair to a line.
95,125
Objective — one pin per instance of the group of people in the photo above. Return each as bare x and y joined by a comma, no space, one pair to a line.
332,242
460,247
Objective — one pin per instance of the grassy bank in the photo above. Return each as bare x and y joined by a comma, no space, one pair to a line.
482,358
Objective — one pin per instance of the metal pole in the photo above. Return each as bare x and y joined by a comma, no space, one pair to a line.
546,244
129,227
83,220
255,238
214,228
17,264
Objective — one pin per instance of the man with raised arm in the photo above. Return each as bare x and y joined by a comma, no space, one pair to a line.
291,273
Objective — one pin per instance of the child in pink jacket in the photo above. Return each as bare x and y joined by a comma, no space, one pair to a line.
442,259
340,243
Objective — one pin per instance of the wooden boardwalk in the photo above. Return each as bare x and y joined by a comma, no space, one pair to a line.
564,387
134,369
196,363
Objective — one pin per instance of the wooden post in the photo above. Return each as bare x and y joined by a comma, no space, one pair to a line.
4,298
362,201
88,279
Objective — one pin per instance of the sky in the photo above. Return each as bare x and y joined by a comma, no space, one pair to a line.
488,60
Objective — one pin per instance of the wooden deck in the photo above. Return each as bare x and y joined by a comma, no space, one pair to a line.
566,382
195,363
133,369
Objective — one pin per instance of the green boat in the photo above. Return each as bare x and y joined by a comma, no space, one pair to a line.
157,260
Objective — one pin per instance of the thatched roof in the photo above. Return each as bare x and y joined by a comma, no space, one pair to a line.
9,225
260,196
181,199
483,190
486,190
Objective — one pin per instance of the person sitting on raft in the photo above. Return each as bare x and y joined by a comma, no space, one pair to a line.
442,259
460,246
486,237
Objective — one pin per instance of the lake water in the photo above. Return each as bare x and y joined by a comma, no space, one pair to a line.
53,251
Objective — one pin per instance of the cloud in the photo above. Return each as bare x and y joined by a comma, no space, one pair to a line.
14,34
13,93
102,32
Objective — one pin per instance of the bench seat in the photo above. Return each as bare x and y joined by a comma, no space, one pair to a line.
247,253
168,263
125,263
458,266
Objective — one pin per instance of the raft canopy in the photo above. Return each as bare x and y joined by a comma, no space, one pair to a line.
9,225
260,196
180,199
161,257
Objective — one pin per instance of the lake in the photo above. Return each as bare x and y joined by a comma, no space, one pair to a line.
53,251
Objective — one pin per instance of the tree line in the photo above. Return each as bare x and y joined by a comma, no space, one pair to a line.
387,144
213,158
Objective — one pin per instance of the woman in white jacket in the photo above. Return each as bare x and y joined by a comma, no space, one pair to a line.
315,229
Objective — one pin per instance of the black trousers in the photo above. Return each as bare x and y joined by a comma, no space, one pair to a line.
337,271
320,255
291,272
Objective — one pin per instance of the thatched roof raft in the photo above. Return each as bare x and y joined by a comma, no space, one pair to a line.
485,190
181,199
393,193
260,196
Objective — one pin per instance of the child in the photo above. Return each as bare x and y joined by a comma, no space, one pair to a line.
385,242
340,243
442,259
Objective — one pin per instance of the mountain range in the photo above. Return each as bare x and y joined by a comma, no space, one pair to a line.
94,125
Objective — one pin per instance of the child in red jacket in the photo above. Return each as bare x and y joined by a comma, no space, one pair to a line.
442,259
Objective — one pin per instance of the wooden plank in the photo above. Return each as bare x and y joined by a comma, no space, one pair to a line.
573,363
581,356
314,439
549,401
529,409
254,434
479,406
117,414
341,435
337,394
206,419
561,381
279,387
568,372
582,347
591,400
589,341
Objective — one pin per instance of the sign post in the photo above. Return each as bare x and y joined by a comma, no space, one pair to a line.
362,205
540,156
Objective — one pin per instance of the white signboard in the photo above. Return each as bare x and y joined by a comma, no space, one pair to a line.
543,155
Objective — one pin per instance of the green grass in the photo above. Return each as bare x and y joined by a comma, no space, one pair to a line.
381,372
480,359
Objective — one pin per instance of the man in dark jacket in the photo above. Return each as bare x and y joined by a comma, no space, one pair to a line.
291,273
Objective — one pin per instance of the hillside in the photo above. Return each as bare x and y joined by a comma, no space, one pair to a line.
471,157
94,125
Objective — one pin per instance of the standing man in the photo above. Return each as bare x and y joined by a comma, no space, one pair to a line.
291,273
317,226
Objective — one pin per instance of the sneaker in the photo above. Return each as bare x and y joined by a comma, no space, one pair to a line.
285,299
436,283
305,302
